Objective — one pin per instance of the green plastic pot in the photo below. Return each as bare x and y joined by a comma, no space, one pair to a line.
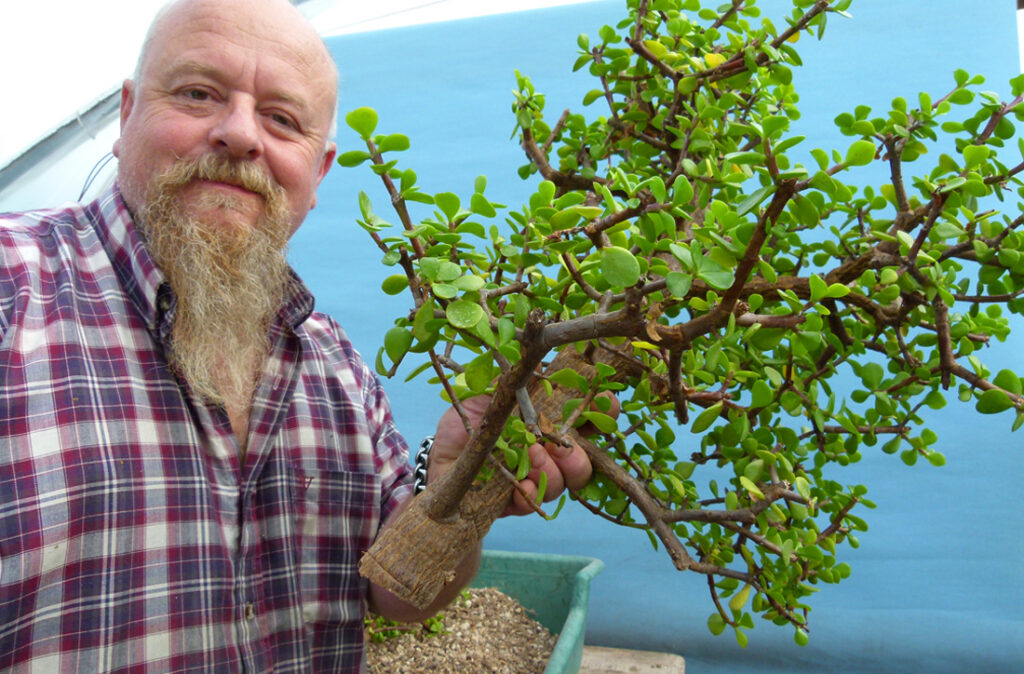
554,588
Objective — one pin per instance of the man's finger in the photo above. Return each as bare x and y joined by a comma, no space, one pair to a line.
522,502
542,462
573,464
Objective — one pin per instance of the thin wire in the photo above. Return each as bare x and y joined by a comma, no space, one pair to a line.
95,173
404,10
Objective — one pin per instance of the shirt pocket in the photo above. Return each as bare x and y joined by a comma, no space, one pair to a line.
338,513
34,525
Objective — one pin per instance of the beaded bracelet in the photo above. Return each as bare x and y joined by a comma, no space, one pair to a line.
419,482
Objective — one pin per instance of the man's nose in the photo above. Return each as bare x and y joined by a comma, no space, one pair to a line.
237,132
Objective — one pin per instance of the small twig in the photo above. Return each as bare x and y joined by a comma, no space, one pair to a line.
603,515
984,299
758,539
676,388
397,200
555,131
836,521
511,289
839,430
501,469
584,406
564,181
527,412
570,266
945,342
718,602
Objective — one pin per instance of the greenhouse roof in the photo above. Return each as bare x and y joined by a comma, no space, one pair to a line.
72,79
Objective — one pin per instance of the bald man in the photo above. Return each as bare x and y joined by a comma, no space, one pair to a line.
191,459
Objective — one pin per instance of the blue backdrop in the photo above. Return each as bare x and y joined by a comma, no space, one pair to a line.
937,582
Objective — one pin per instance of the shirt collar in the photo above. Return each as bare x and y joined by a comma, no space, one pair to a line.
298,304
144,283
135,268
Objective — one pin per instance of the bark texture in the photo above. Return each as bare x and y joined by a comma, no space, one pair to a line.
416,556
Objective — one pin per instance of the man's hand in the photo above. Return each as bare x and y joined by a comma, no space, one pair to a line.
564,466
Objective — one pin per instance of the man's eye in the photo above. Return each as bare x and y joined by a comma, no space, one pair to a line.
283,120
197,95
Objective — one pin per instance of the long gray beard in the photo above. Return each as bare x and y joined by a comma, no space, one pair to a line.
229,281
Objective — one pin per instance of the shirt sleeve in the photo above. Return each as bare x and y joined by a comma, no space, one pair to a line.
391,452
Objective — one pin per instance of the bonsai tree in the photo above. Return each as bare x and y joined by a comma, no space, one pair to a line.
761,315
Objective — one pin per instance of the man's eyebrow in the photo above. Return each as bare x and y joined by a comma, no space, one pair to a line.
297,102
194,68
212,72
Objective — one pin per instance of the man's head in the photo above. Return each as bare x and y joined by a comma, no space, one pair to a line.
246,79
224,140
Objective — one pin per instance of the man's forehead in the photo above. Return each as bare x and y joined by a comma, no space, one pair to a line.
274,26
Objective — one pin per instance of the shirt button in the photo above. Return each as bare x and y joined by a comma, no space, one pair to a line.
250,611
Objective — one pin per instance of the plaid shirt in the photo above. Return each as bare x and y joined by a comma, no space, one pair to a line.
131,537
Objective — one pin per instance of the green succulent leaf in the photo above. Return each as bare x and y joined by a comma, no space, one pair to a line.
464,314
706,418
396,343
353,158
448,203
395,284
395,142
619,267
480,373
602,422
363,121
993,401
861,153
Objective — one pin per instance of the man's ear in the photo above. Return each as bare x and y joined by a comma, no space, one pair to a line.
325,166
127,103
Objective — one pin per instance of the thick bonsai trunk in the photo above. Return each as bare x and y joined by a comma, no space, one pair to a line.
417,554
